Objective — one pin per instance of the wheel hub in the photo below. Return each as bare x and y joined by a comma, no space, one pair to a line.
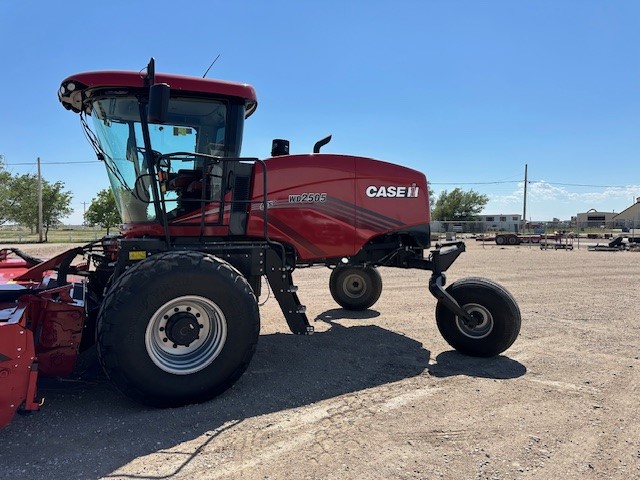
354,286
182,329
481,323
476,319
186,334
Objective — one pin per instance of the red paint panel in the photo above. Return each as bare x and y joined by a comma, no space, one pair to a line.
105,79
16,363
59,337
338,217
137,230
11,268
37,272
394,193
316,225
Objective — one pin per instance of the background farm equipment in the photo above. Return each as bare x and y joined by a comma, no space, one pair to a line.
509,238
515,239
557,241
171,304
616,245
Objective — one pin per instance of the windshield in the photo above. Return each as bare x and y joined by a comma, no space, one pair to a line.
193,125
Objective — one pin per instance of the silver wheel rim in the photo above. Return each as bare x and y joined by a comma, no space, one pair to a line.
354,286
192,356
482,315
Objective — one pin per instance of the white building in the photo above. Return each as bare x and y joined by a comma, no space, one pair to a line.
629,217
593,218
509,222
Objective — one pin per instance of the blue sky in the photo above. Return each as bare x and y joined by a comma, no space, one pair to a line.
466,91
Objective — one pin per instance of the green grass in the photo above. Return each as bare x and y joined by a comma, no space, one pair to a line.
62,235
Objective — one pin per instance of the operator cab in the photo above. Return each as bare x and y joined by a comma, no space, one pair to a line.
161,169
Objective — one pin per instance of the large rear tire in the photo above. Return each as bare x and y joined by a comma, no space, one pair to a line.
496,314
177,328
355,288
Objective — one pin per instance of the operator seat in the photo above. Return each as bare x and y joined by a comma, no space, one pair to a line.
187,184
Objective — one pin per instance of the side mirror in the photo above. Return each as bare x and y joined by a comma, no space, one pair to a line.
158,102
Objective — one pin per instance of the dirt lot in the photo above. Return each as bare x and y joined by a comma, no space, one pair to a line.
380,395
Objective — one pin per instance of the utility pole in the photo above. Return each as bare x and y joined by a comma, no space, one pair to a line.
39,203
524,209
84,212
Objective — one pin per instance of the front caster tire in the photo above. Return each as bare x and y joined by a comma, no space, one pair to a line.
496,314
355,288
177,328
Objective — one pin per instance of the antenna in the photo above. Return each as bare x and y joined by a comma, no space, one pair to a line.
214,61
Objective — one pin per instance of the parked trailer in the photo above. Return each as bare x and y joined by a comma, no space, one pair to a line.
511,239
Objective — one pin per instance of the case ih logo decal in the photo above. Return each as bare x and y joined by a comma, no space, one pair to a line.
392,191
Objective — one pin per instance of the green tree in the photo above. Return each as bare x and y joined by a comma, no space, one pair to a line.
103,211
56,204
459,205
5,197
432,197
23,207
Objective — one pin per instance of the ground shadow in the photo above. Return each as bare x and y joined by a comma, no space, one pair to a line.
341,313
87,429
452,363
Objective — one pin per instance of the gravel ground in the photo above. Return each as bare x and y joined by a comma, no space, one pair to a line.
380,395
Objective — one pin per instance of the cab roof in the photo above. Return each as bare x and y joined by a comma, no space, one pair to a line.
75,89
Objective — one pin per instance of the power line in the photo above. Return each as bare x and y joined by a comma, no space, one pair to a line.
495,182
475,183
51,163
579,184
532,182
